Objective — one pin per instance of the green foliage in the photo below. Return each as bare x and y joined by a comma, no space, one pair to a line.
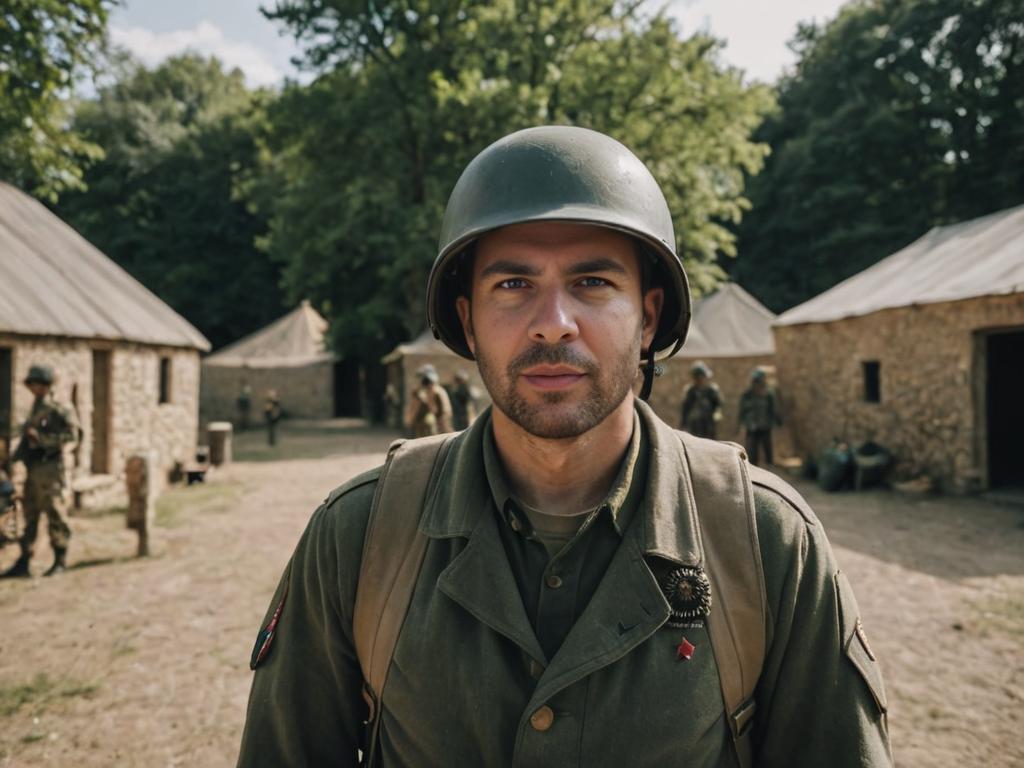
180,142
901,115
44,46
365,156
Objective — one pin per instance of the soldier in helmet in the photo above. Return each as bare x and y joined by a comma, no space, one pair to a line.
430,412
463,396
758,415
49,427
570,581
702,403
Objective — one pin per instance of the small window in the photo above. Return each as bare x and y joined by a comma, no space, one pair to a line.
872,381
165,380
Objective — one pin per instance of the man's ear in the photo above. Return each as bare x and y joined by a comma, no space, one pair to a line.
463,306
653,301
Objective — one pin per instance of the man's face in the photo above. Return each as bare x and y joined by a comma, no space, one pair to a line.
557,321
37,388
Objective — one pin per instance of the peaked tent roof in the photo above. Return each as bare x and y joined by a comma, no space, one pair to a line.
729,323
53,282
980,257
424,344
292,341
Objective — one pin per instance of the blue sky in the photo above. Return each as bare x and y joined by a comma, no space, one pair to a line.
755,32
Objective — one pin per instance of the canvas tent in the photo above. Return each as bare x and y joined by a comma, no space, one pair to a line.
289,356
125,360
921,353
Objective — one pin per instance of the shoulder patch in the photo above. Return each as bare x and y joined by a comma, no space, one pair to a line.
779,487
370,476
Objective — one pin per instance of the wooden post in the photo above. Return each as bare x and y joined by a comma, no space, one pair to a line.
138,479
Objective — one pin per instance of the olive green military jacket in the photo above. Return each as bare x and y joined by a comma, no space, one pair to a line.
55,426
469,684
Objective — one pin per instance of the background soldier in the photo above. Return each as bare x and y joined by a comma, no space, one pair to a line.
272,415
50,426
463,399
702,403
244,404
430,412
758,413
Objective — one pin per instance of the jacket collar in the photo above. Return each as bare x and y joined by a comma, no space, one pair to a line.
667,511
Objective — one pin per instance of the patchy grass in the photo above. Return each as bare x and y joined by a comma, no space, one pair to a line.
42,690
174,506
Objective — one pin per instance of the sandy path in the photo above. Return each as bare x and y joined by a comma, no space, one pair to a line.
146,662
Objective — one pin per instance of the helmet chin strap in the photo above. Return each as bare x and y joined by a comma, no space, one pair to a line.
650,370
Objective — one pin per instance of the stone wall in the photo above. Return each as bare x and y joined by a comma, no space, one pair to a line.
137,420
928,413
306,392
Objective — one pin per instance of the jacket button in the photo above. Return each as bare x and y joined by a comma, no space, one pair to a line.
554,582
542,719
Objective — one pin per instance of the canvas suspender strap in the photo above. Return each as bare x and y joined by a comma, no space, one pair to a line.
393,552
737,623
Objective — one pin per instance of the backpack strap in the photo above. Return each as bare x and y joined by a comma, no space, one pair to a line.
393,552
738,620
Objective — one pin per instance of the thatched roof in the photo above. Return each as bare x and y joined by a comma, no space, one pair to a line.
53,282
292,341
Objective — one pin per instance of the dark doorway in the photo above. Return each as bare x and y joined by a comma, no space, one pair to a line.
1005,382
100,412
347,401
6,395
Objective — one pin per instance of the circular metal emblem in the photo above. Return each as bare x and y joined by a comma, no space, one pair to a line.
688,592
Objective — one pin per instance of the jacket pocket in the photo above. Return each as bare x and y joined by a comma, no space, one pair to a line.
855,641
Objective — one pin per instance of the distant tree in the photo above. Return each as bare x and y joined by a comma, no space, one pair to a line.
45,45
365,156
180,142
900,115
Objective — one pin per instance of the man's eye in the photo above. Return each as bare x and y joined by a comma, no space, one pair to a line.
593,282
513,283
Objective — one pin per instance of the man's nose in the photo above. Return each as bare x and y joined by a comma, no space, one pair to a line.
554,321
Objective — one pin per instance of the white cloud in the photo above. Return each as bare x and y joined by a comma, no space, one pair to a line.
207,39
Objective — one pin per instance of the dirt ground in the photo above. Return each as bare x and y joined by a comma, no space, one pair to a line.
145,662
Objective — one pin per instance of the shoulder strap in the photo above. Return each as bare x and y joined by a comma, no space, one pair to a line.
392,555
737,623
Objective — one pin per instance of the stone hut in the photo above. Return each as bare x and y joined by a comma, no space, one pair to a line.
123,359
403,361
731,331
290,356
922,353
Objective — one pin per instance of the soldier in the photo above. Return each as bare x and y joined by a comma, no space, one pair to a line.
430,412
758,414
244,404
272,415
702,403
463,399
569,581
49,427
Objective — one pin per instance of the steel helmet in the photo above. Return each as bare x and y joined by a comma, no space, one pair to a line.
557,173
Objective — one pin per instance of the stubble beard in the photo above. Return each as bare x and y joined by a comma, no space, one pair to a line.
550,419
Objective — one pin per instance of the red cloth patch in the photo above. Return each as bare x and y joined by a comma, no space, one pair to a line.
685,650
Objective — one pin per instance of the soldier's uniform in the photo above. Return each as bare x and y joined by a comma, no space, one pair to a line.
509,658
759,414
530,646
53,425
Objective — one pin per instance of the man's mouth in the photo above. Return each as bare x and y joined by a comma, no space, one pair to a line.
552,377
